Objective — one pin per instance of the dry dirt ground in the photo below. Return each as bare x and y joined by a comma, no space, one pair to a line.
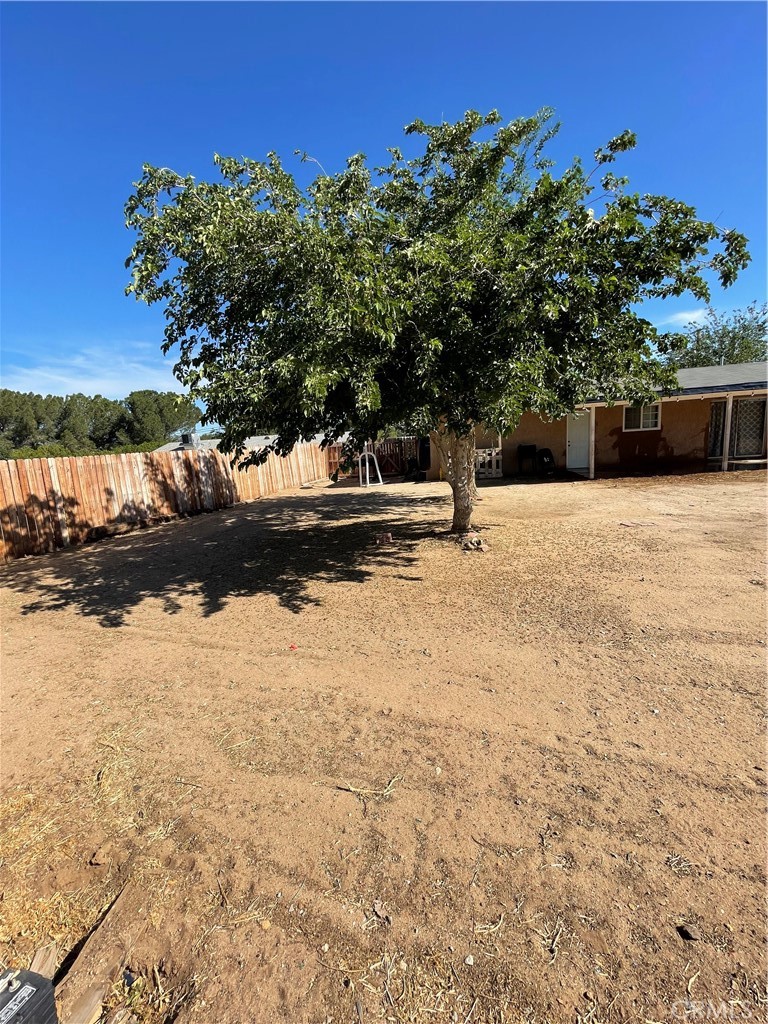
347,782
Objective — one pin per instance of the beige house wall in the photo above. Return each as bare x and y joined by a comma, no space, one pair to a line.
680,441
530,430
533,430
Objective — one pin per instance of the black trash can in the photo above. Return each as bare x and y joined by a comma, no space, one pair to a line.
545,462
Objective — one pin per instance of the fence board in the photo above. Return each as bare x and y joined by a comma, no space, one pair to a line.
10,518
130,495
158,488
35,506
137,500
25,528
142,497
54,533
142,504
124,491
113,492
6,544
88,471
58,502
26,484
206,484
113,505
40,503
53,503
43,482
79,498
165,471
18,482
191,482
73,498
41,469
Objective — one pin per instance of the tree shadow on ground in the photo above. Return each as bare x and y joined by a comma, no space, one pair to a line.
283,546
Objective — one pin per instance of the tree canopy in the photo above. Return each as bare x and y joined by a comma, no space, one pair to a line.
739,337
463,285
77,424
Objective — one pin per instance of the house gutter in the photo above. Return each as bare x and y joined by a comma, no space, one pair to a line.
683,397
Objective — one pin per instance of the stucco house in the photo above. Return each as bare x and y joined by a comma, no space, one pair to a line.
715,420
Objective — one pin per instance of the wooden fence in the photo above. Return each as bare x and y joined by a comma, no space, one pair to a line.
52,503
392,455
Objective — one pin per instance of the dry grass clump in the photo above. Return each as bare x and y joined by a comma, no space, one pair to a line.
429,985
34,842
65,859
57,873
679,865
26,922
150,996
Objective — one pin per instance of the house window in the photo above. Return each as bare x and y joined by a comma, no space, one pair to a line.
642,417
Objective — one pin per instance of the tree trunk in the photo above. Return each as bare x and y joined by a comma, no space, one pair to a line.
457,458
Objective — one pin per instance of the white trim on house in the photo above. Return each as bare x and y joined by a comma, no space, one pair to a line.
727,433
754,393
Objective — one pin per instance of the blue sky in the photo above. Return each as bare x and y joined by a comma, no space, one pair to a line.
91,91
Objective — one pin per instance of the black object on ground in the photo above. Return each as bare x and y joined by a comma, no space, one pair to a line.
545,461
26,998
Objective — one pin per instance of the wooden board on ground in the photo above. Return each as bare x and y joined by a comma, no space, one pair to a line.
88,980
87,1008
44,960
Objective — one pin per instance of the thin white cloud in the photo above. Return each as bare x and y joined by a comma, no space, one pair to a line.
683,318
94,370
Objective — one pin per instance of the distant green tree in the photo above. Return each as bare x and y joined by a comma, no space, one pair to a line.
74,426
145,422
109,423
47,411
18,418
158,415
177,413
741,337
34,425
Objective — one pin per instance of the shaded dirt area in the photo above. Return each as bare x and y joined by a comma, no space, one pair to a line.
353,782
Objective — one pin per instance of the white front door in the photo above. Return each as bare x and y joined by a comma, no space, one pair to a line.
577,455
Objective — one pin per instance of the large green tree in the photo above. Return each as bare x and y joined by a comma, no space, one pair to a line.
738,337
19,417
74,426
461,286
159,414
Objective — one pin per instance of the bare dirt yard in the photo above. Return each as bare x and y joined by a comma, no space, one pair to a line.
335,781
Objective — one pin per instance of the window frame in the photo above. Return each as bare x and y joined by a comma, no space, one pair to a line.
641,409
